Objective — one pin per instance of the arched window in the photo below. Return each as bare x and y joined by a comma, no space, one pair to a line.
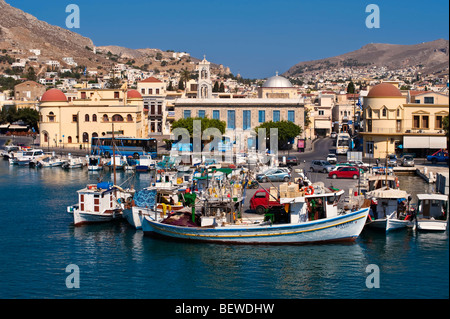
45,137
117,118
384,112
85,137
51,117
86,118
105,118
94,134
129,118
69,139
94,118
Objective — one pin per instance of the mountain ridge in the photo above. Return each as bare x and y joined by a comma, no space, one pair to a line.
432,56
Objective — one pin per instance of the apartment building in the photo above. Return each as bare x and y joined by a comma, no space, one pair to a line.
91,114
392,125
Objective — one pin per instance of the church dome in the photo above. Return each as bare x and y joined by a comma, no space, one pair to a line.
277,82
54,95
384,90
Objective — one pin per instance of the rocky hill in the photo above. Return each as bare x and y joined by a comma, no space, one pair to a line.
431,57
21,32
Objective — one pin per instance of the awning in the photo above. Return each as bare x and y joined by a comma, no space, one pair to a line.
432,142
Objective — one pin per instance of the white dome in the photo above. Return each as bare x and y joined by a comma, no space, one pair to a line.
277,82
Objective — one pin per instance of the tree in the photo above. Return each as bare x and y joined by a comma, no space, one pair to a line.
114,83
287,131
351,87
185,76
180,85
216,87
188,123
222,87
31,75
170,87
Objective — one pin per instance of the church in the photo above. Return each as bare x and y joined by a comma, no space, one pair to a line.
277,101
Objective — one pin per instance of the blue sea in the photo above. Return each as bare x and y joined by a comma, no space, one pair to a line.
38,242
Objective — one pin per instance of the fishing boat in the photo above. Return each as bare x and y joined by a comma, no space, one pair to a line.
9,150
311,217
389,208
153,202
95,163
145,163
432,212
48,160
98,203
102,202
24,158
117,162
73,162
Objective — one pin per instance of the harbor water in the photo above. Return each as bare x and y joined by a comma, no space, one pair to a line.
39,242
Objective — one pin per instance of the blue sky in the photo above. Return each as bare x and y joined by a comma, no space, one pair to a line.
253,38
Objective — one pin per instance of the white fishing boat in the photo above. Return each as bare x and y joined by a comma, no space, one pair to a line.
74,162
118,161
298,221
97,203
9,150
432,212
153,201
95,163
49,160
145,163
389,209
24,158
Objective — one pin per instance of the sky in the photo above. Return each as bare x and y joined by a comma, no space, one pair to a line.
253,38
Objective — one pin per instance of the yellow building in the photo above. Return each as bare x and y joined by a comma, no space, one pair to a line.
393,126
73,123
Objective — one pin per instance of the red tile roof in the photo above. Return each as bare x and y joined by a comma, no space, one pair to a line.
151,80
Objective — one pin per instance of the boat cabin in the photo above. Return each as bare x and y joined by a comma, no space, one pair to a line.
322,203
433,206
380,181
97,198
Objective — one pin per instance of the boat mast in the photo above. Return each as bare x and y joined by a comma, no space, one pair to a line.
114,154
385,171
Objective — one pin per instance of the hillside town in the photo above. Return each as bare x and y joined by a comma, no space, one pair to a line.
146,103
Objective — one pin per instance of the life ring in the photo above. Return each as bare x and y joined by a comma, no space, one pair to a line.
309,190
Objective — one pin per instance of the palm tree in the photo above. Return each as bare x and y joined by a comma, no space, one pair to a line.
185,76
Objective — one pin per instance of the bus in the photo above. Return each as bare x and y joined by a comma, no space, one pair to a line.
343,141
125,146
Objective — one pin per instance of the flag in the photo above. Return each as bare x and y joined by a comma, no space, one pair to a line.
85,69
359,103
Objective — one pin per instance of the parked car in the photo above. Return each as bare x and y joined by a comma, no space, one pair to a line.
290,161
321,166
345,172
332,158
348,164
392,160
439,157
407,160
359,164
274,175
